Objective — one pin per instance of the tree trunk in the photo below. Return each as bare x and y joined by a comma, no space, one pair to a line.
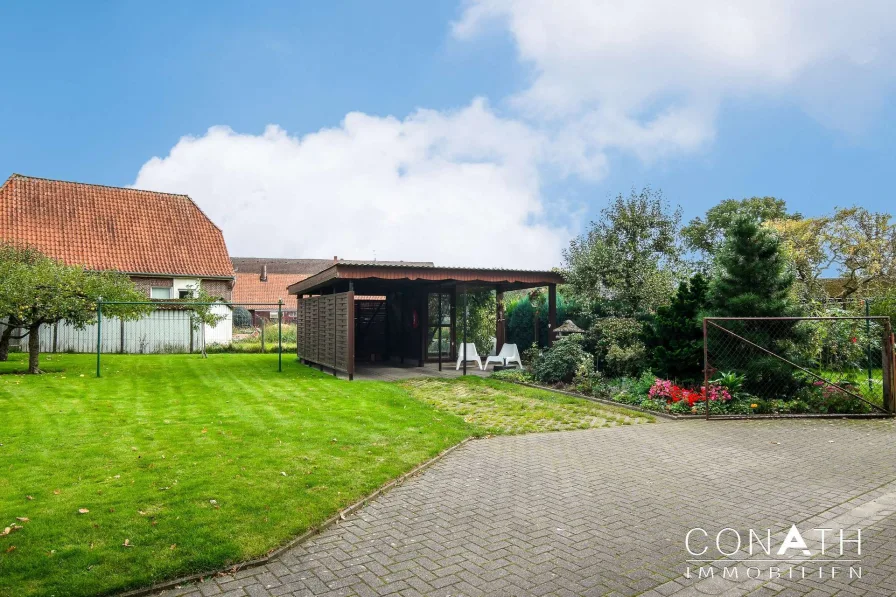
4,343
34,349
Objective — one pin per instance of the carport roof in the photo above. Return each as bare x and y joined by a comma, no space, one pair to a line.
388,273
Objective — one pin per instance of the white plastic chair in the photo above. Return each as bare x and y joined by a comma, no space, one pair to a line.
509,354
472,355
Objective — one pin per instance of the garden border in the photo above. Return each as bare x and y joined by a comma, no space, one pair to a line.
669,416
702,417
311,532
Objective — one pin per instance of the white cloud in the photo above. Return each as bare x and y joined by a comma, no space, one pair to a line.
457,188
638,76
649,77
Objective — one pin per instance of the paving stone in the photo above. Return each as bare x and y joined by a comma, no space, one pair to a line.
602,512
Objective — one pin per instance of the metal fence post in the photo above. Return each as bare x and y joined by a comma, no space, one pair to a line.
99,333
280,335
868,340
705,369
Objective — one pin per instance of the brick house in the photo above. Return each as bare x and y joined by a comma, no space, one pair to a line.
164,242
262,281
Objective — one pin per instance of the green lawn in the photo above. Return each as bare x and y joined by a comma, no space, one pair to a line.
498,407
200,463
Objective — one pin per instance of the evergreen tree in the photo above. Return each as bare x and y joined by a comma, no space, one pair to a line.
754,277
675,338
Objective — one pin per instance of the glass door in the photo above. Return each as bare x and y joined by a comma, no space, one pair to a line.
439,326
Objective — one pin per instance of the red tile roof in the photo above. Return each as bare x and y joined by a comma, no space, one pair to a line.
112,228
249,288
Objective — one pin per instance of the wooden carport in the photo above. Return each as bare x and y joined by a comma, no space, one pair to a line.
383,311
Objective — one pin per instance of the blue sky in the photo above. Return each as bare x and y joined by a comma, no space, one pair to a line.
507,122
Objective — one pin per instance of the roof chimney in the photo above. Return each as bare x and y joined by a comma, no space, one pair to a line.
264,272
335,258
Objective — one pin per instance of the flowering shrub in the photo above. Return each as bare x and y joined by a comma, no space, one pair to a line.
664,389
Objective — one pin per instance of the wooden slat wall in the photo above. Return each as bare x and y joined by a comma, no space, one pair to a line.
325,334
301,328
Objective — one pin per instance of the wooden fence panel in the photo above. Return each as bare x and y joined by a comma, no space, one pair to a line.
300,329
325,331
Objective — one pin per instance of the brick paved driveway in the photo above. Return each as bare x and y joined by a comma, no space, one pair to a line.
604,512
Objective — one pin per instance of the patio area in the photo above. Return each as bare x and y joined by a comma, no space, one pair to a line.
359,318
396,371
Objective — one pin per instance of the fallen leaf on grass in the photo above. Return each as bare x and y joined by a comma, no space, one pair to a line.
56,492
10,548
83,510
127,543
173,546
29,498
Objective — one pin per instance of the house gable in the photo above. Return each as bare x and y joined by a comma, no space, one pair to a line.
111,228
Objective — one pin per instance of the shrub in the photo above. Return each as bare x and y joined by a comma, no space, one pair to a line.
520,315
562,362
241,317
675,336
617,344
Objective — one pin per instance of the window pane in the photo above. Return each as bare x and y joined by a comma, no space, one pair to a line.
159,293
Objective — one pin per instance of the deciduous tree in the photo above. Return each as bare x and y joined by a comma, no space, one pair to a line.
630,257
706,235
40,291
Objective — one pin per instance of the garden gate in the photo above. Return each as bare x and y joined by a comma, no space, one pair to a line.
802,365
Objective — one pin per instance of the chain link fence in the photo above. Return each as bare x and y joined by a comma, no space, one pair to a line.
800,365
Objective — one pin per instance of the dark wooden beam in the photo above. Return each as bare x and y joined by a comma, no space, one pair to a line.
500,329
552,312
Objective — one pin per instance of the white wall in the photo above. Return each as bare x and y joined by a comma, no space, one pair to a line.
162,331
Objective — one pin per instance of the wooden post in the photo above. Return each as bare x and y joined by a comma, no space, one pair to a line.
464,347
387,332
889,370
440,329
500,329
452,309
401,340
552,312
350,325
423,324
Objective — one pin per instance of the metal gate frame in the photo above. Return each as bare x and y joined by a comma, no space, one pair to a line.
888,365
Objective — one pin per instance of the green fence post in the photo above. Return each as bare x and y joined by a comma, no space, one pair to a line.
868,340
99,333
280,335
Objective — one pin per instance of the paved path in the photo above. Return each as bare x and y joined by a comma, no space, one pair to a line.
605,512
